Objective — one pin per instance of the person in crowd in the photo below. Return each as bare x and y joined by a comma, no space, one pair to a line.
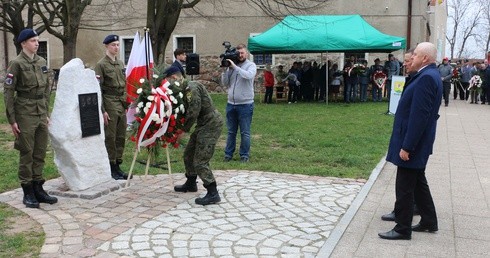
486,83
466,74
316,82
446,71
411,144
392,67
456,81
364,81
306,80
377,91
473,87
350,80
180,58
294,75
109,71
323,80
281,81
268,84
239,78
26,95
335,83
200,111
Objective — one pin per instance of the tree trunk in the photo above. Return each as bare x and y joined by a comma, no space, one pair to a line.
69,49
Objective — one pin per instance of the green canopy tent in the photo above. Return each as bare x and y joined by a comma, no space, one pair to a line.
323,33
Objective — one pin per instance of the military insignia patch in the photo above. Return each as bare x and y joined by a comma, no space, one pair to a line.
188,96
9,79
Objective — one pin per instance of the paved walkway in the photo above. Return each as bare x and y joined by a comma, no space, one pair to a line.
459,177
281,215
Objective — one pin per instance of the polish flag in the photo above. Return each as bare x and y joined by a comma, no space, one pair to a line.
140,65
140,60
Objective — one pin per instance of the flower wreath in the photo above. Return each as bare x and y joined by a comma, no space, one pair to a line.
160,114
358,69
475,81
379,79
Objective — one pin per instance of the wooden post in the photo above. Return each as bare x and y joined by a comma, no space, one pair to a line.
169,168
132,166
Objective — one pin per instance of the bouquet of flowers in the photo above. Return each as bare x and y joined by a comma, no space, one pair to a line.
475,81
357,69
379,79
160,114
456,76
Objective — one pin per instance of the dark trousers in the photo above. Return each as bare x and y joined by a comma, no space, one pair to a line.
463,92
268,94
446,88
411,185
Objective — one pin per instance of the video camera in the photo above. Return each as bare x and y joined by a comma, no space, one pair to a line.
230,53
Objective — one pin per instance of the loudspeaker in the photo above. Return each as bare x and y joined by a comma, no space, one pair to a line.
192,64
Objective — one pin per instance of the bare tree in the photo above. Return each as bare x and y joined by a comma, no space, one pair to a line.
162,15
464,17
13,21
484,35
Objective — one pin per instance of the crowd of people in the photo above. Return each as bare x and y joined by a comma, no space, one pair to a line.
470,80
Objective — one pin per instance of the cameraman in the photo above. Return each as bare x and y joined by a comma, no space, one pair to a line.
239,78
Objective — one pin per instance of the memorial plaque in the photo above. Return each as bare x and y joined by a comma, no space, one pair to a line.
89,114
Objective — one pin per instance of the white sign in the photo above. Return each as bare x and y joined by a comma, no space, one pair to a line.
397,84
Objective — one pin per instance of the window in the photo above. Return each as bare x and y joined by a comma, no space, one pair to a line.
42,51
186,42
127,44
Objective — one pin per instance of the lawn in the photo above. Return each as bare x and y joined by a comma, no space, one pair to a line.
337,140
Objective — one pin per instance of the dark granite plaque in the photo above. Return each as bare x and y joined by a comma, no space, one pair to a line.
89,114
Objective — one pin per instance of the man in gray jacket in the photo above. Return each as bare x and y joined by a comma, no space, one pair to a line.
445,70
239,78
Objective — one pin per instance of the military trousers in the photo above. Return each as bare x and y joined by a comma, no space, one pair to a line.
32,144
199,151
115,134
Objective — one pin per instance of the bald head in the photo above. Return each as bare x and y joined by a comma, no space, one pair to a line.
425,53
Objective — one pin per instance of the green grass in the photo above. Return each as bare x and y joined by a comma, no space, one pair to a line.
336,140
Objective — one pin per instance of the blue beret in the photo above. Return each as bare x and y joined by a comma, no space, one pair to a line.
26,34
110,38
172,70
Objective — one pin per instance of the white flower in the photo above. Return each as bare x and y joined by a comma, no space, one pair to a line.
177,83
169,112
151,98
172,98
139,90
142,80
148,105
146,109
181,95
183,110
155,117
140,105
170,92
177,110
176,115
181,106
155,76
138,109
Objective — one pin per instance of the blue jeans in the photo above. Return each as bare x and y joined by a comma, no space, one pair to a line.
363,92
238,116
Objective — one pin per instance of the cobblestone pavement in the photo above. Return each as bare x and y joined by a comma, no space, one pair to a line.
261,215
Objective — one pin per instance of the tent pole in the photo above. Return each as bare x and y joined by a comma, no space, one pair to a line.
326,78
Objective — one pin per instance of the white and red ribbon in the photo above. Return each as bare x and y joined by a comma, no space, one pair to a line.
161,106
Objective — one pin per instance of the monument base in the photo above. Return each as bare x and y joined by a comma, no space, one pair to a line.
58,187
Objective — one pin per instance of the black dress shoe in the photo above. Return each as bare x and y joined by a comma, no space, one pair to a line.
393,235
389,216
423,228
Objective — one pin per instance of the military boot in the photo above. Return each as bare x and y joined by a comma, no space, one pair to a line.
41,195
190,185
211,197
29,198
120,172
114,173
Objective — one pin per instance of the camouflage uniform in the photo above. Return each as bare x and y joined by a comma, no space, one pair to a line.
200,149
27,101
113,86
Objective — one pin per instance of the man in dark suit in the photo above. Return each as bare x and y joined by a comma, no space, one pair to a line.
180,57
411,143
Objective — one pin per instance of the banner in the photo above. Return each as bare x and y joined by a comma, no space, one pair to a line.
397,84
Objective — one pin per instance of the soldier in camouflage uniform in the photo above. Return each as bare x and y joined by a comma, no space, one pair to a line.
200,149
109,71
27,101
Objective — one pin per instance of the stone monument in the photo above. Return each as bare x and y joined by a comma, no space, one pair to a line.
77,128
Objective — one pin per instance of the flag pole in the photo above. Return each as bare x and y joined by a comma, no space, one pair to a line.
147,52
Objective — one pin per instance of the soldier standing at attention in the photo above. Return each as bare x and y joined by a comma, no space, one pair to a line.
27,101
200,148
109,71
